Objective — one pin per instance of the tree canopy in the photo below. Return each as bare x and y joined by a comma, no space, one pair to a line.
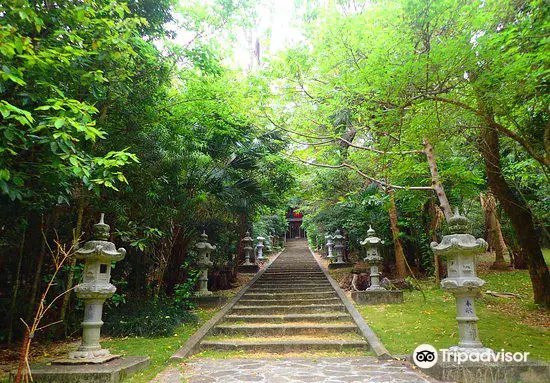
380,112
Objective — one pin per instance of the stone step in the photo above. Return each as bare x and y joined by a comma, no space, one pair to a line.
288,318
325,284
313,273
281,309
299,295
284,273
287,302
292,277
285,329
284,345
285,289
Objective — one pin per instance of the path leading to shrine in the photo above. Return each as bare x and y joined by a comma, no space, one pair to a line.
292,308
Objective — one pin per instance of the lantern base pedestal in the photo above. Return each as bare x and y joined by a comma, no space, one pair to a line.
209,301
377,297
87,360
531,371
113,371
336,265
248,269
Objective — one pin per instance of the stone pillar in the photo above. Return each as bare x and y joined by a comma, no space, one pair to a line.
329,245
204,249
247,240
271,241
98,255
338,247
460,249
373,259
260,247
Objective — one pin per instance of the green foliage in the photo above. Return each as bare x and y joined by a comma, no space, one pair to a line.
405,71
270,225
150,318
55,72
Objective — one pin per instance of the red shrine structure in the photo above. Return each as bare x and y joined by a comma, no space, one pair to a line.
294,220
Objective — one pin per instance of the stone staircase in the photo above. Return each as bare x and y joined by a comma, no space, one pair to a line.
292,307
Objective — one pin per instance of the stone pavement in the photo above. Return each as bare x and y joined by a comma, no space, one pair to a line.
297,370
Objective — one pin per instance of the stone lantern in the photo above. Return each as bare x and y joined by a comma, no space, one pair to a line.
373,258
329,245
260,247
271,242
248,266
338,247
247,240
98,255
375,294
204,248
460,249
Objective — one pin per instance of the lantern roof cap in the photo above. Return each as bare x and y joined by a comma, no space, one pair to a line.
203,242
371,239
101,230
99,247
458,224
337,234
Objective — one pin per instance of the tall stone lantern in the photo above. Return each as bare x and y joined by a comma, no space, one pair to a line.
98,255
375,294
248,266
373,258
338,247
248,249
329,245
460,249
204,248
260,247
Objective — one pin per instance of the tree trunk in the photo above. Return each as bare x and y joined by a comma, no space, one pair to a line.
70,277
436,181
493,229
16,284
437,216
519,213
399,254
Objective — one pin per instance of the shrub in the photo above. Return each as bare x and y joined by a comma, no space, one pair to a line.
158,317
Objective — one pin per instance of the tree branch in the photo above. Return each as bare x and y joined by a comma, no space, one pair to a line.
364,175
543,160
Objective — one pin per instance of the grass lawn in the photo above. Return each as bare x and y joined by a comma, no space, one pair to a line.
158,349
515,324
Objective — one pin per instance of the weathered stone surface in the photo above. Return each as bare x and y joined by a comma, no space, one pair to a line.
98,254
460,249
113,371
373,259
358,369
468,372
377,297
204,248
